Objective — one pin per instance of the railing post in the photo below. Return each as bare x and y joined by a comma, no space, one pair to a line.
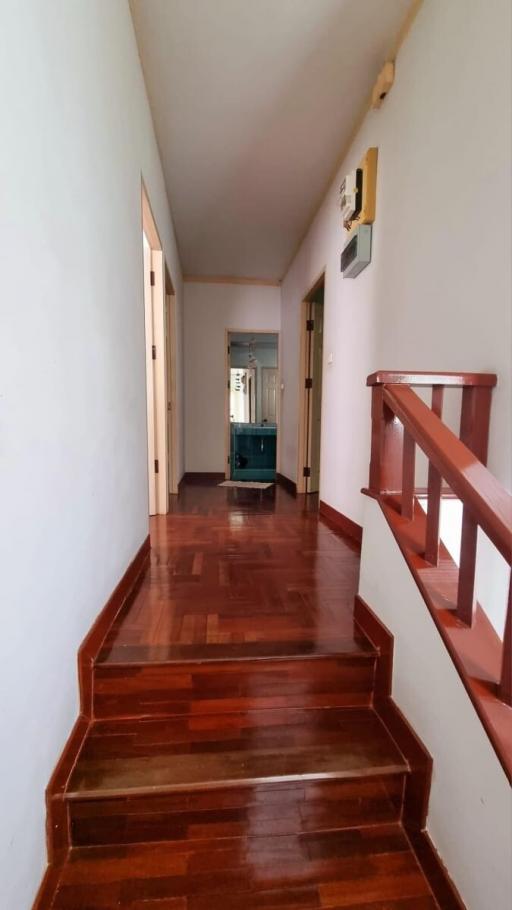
467,566
408,475
474,419
386,447
506,662
434,492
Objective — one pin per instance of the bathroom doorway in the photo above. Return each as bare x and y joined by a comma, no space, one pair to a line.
252,405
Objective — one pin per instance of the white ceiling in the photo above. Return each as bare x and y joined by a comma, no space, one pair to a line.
253,101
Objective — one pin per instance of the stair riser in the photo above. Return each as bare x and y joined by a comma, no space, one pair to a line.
177,689
277,809
167,690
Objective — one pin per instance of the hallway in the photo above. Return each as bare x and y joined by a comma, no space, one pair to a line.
229,259
234,758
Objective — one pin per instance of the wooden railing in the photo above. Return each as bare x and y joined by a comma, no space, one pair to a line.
400,422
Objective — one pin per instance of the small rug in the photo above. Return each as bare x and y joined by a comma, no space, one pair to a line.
246,484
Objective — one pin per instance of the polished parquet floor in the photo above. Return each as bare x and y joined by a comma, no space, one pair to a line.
237,572
234,759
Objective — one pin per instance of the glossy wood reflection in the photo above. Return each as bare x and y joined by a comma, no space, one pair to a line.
254,810
366,868
232,569
311,680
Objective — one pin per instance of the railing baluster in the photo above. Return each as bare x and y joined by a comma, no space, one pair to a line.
506,662
434,491
437,400
474,420
387,432
433,516
467,563
408,475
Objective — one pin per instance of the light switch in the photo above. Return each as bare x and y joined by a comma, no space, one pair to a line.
330,358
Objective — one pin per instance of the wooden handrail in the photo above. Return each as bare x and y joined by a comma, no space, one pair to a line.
420,378
470,480
400,422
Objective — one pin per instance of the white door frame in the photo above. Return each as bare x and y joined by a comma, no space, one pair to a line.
171,414
150,376
227,376
160,479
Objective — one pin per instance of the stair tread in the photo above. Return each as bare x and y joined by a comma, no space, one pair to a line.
354,869
203,751
355,646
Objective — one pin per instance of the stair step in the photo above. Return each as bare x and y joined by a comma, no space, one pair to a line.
255,746
354,869
246,773
209,681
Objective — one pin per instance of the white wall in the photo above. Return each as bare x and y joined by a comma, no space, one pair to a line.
76,135
470,808
210,309
437,293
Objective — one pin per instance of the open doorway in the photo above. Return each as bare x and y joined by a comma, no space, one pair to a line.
252,405
160,332
310,389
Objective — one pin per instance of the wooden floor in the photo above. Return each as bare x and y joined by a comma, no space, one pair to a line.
234,759
237,572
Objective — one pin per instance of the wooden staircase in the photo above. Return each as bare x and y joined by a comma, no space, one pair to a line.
261,766
239,783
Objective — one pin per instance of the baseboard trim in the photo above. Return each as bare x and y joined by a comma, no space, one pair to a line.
420,761
382,640
57,823
203,477
417,789
46,892
434,870
341,522
58,839
289,485
90,647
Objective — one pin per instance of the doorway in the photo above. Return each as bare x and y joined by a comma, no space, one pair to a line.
310,389
252,405
160,334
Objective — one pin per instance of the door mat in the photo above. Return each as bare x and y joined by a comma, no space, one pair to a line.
246,484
